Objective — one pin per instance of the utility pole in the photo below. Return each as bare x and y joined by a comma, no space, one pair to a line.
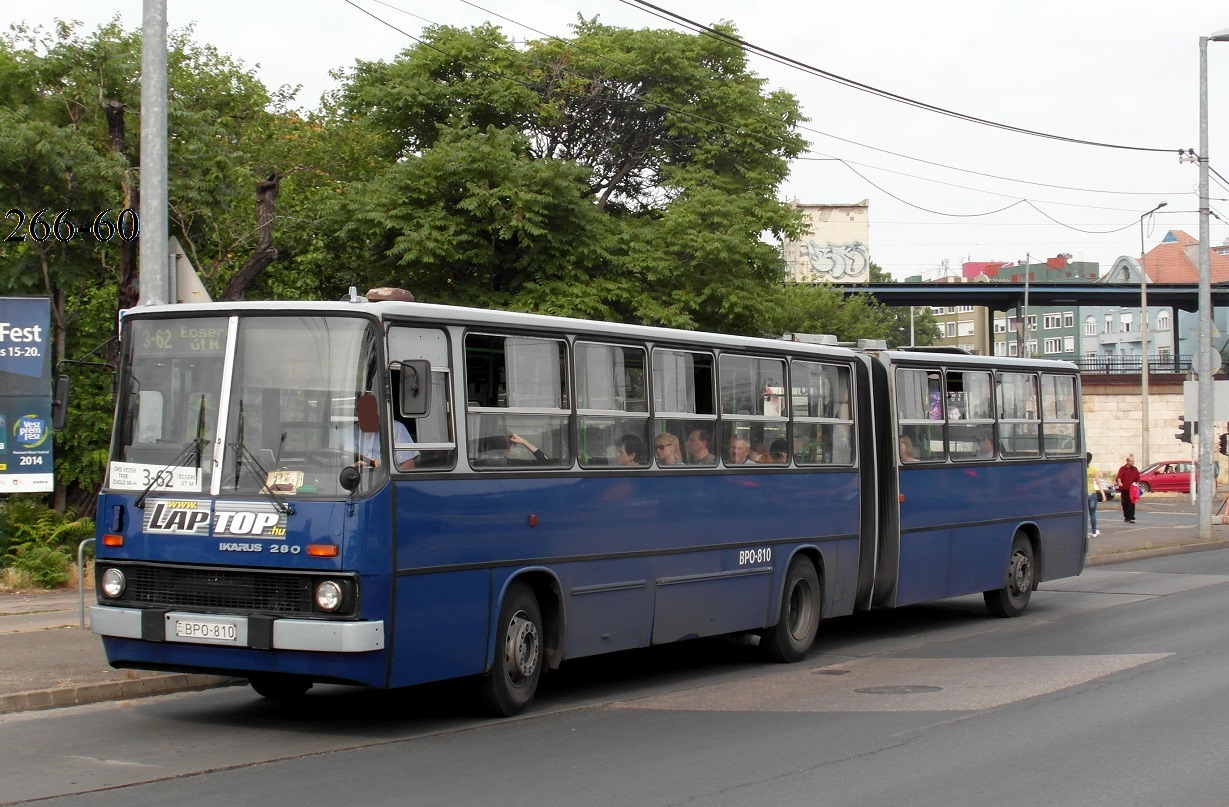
154,264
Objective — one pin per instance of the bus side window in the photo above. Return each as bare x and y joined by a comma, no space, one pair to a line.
433,436
531,403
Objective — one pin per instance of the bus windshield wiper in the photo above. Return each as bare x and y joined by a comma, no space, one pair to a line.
193,446
245,458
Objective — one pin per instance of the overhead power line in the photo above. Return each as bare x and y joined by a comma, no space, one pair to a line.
891,96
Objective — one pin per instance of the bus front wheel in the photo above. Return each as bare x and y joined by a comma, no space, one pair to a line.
510,685
801,609
1012,599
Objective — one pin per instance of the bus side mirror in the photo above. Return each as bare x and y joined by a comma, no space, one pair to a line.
59,405
349,478
415,397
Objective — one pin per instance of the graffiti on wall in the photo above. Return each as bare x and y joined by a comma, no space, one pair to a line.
837,261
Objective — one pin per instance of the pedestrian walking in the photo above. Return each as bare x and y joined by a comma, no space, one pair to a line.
1094,495
1128,475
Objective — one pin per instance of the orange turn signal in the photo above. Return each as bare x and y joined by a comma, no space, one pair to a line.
110,539
322,550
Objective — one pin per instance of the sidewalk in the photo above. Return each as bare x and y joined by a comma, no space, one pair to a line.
48,661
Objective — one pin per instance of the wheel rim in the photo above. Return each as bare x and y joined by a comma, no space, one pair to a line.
1021,575
801,605
522,649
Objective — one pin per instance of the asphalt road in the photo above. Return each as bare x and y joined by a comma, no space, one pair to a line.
1111,689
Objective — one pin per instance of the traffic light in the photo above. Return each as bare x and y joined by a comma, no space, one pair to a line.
1224,444
1184,430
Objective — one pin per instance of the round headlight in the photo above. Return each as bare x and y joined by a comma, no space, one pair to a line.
328,596
113,583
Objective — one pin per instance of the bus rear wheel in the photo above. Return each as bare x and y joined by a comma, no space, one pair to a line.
1012,599
801,610
510,685
280,688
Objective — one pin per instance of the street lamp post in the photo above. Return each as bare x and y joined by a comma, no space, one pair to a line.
1144,367
1206,484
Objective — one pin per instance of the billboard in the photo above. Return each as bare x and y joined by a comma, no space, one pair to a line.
25,395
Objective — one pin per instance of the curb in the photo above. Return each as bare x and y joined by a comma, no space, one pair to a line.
1159,552
81,694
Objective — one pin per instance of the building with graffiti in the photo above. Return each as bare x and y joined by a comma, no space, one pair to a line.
835,247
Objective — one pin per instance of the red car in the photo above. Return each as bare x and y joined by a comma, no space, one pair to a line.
1169,476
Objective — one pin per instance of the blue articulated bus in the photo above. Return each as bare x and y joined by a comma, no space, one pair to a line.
386,493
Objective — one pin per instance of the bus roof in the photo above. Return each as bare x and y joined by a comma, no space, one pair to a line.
398,311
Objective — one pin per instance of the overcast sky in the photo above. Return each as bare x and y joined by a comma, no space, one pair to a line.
1123,72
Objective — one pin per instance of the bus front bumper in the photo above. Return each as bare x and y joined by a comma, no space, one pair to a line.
221,630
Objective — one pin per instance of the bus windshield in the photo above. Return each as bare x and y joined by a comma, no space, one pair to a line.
289,417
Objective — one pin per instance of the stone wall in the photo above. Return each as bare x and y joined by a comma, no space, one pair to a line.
1113,425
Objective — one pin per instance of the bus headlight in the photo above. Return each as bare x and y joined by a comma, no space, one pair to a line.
113,583
328,596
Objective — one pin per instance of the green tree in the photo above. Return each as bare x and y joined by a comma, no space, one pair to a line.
619,174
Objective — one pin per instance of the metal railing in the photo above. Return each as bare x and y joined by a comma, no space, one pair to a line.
1134,364
81,581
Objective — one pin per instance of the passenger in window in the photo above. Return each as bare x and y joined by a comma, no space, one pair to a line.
631,451
698,441
778,452
905,446
516,439
758,453
985,447
667,449
740,451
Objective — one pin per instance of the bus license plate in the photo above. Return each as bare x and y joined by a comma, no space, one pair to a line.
205,630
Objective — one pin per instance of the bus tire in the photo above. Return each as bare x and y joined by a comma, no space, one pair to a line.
1012,599
281,688
801,611
519,654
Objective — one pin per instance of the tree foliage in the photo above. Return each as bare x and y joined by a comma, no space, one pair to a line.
629,175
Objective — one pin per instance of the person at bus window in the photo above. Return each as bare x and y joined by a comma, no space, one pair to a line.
1127,476
666,447
630,451
369,448
758,452
698,441
538,454
905,446
1094,495
778,452
985,447
740,451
